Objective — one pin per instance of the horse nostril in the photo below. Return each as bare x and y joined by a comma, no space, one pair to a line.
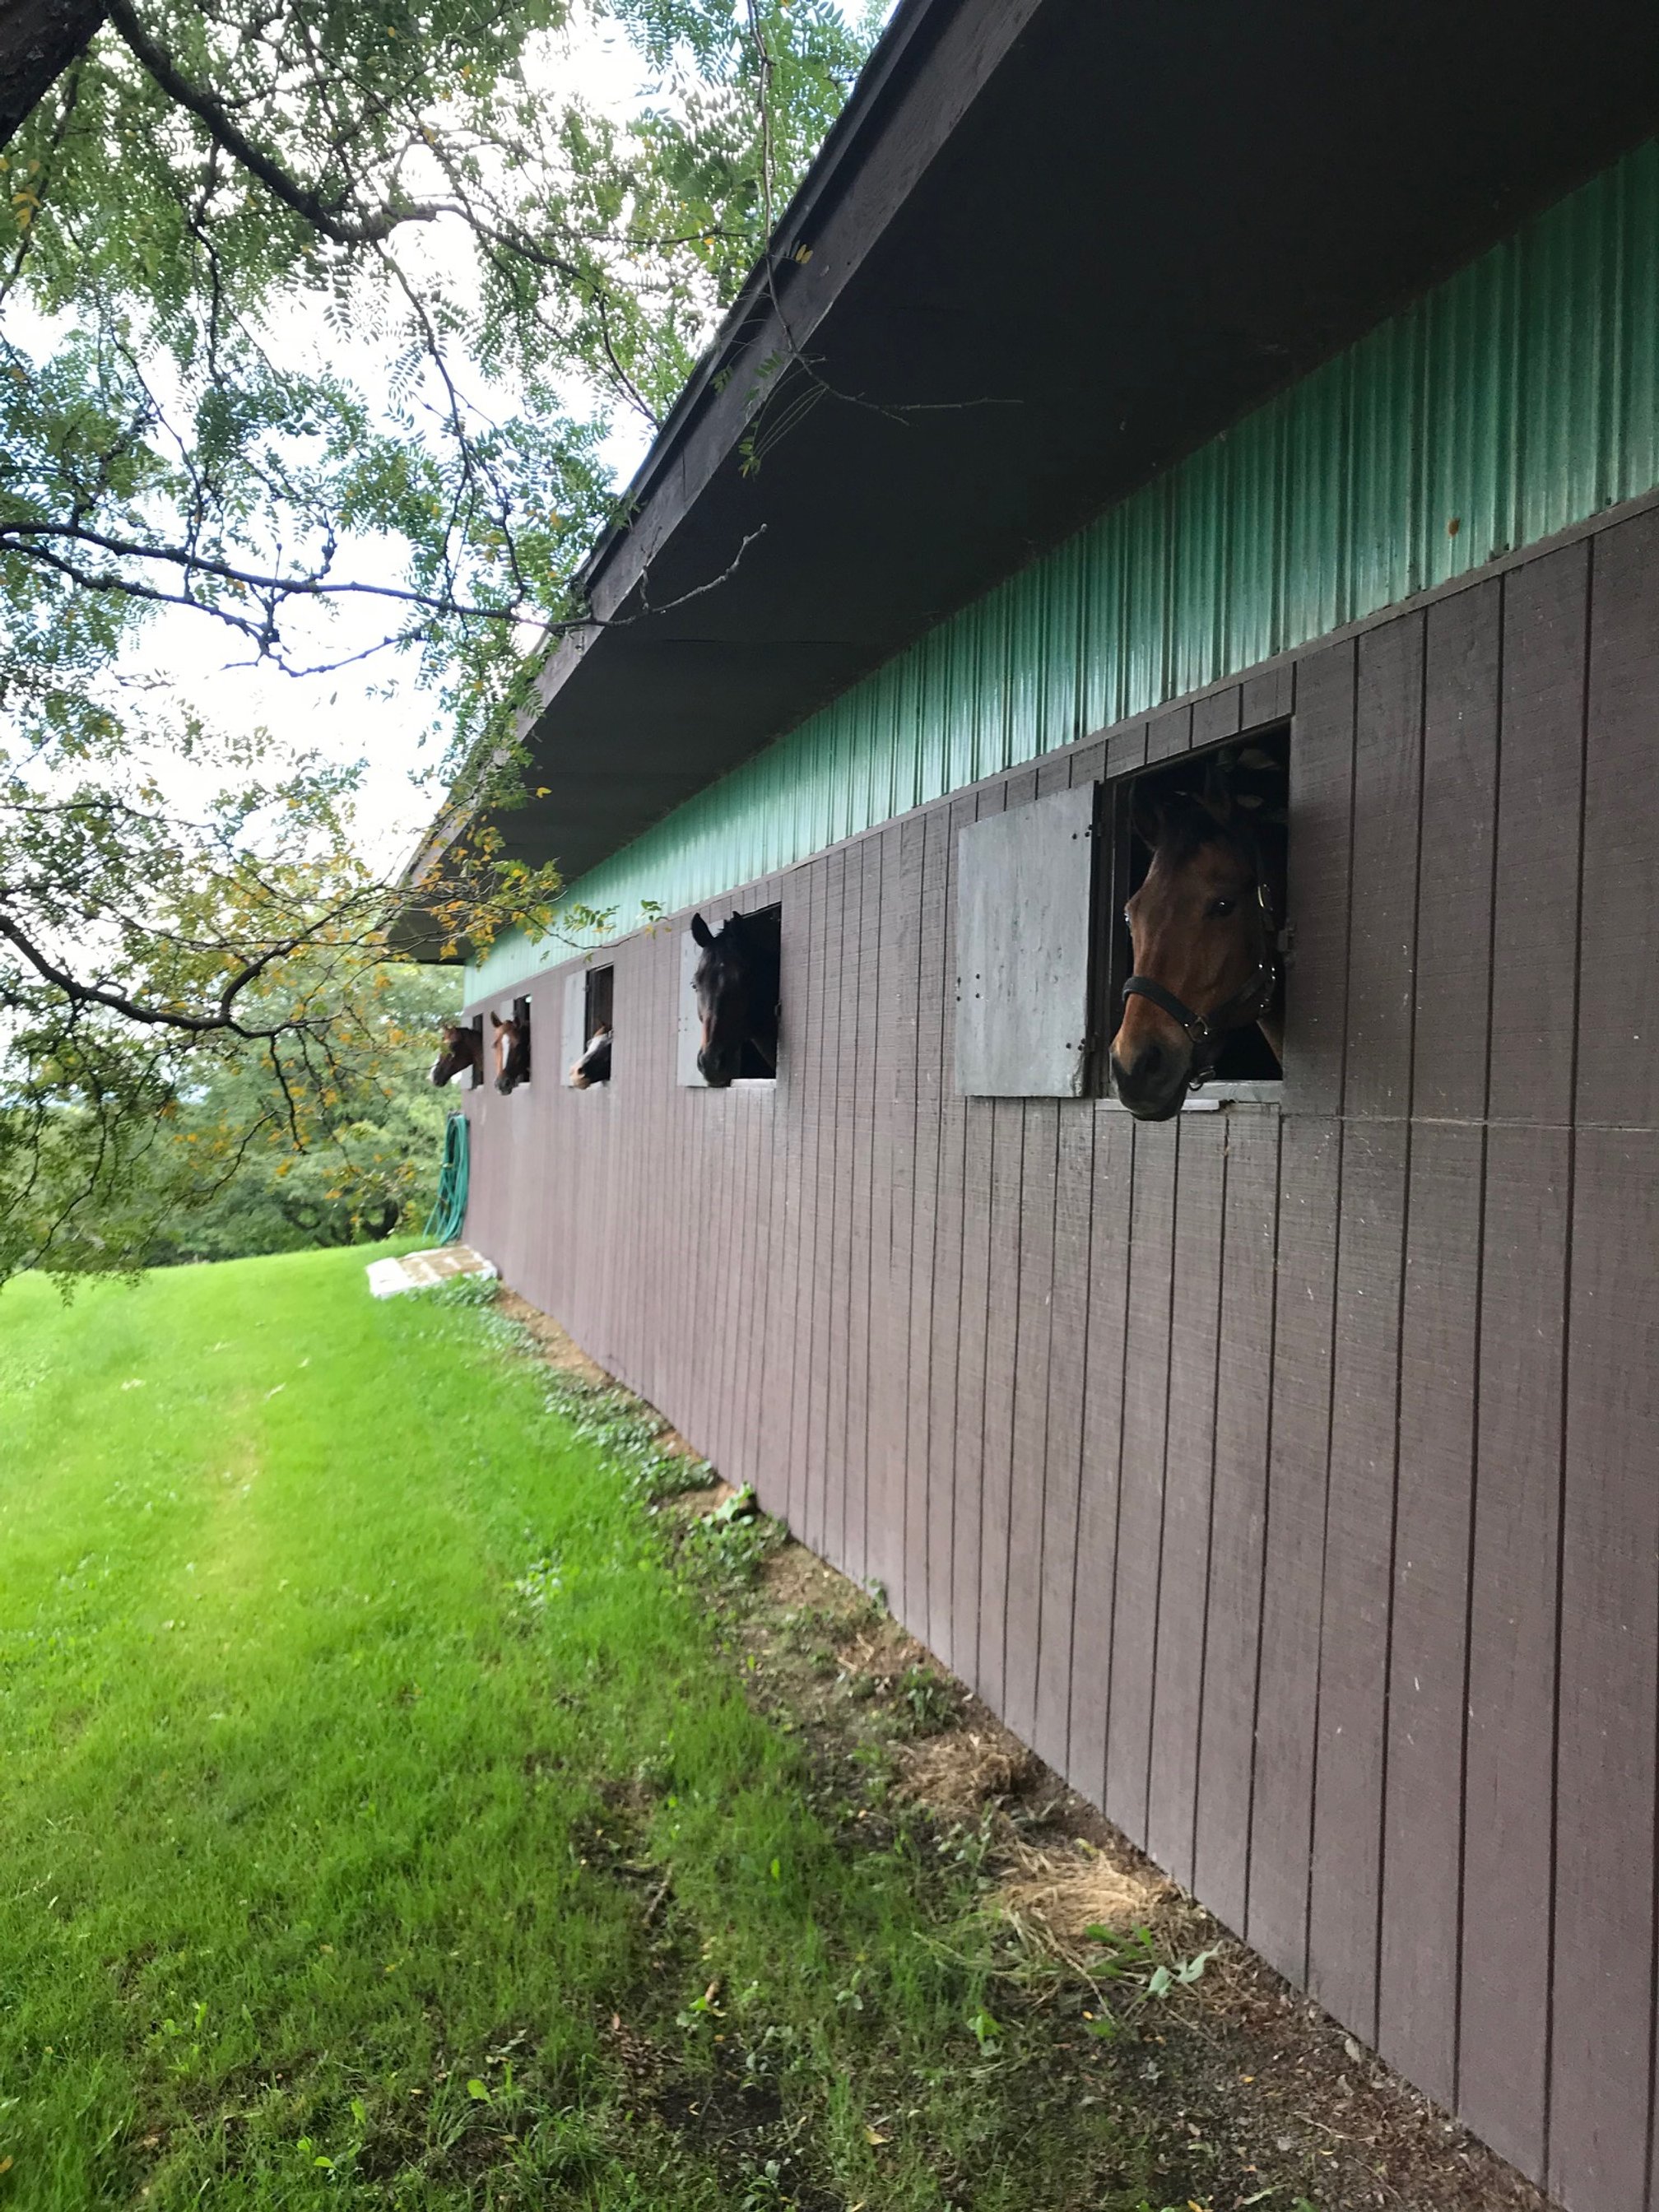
1150,1059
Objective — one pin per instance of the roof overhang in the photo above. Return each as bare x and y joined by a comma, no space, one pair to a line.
1052,245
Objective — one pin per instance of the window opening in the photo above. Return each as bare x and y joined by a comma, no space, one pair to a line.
512,1046
741,962
592,1063
1241,789
600,993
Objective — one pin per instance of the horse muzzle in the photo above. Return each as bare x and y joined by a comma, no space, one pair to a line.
1153,1084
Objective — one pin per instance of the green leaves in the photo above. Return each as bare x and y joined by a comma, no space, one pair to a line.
308,310
355,296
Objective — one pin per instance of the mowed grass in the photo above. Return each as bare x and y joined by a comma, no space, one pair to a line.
383,1822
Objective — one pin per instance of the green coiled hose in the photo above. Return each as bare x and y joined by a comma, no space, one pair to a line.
449,1212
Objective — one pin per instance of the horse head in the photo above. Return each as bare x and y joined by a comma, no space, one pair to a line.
735,982
594,1065
461,1048
1205,943
512,1051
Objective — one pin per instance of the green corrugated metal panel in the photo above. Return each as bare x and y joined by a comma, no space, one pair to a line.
1519,396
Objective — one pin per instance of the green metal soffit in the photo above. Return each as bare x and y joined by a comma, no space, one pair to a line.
1517,398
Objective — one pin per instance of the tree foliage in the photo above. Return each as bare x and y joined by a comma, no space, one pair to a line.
312,318
225,1181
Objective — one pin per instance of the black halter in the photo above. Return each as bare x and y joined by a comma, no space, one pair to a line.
1245,1006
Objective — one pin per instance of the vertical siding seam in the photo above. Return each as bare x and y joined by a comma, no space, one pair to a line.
1013,1393
988,1115
1400,1337
938,1116
1324,1557
1476,1406
1175,1181
1336,1277
1117,1502
1068,1765
848,1456
870,1241
910,1247
839,1282
946,996
1209,1527
1267,1519
1475,1409
1566,1388
1047,1407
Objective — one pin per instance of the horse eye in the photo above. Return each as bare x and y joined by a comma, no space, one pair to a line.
1221,907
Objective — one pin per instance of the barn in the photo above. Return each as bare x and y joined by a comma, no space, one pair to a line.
1126,383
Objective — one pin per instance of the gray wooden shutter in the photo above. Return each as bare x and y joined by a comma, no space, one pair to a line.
1024,936
573,1043
690,1037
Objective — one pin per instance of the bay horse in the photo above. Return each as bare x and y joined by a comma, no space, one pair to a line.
594,1065
512,1039
736,986
462,1046
1205,946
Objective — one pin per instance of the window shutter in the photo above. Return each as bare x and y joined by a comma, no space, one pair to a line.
1024,937
690,1037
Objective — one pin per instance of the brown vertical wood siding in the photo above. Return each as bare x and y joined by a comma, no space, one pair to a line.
1289,1475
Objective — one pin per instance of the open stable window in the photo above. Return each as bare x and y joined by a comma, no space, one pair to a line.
1025,894
509,1042
1246,782
753,970
589,1000
599,993
1043,950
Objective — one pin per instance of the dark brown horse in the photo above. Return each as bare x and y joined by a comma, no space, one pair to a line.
462,1047
736,986
1206,948
512,1039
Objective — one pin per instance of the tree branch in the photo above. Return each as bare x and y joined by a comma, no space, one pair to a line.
326,217
38,40
223,1023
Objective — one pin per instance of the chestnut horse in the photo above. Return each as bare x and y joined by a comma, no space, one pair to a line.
462,1047
512,1049
1206,949
735,982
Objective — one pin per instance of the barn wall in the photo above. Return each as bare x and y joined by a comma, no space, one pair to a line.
1286,1476
1516,399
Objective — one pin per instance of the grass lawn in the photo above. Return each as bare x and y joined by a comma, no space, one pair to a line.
383,1822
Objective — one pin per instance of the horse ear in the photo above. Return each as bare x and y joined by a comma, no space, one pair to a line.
1146,818
701,931
495,1021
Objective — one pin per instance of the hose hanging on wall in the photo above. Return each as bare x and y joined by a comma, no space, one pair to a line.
449,1211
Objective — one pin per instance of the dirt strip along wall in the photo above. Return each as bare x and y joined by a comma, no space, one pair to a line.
1287,1476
